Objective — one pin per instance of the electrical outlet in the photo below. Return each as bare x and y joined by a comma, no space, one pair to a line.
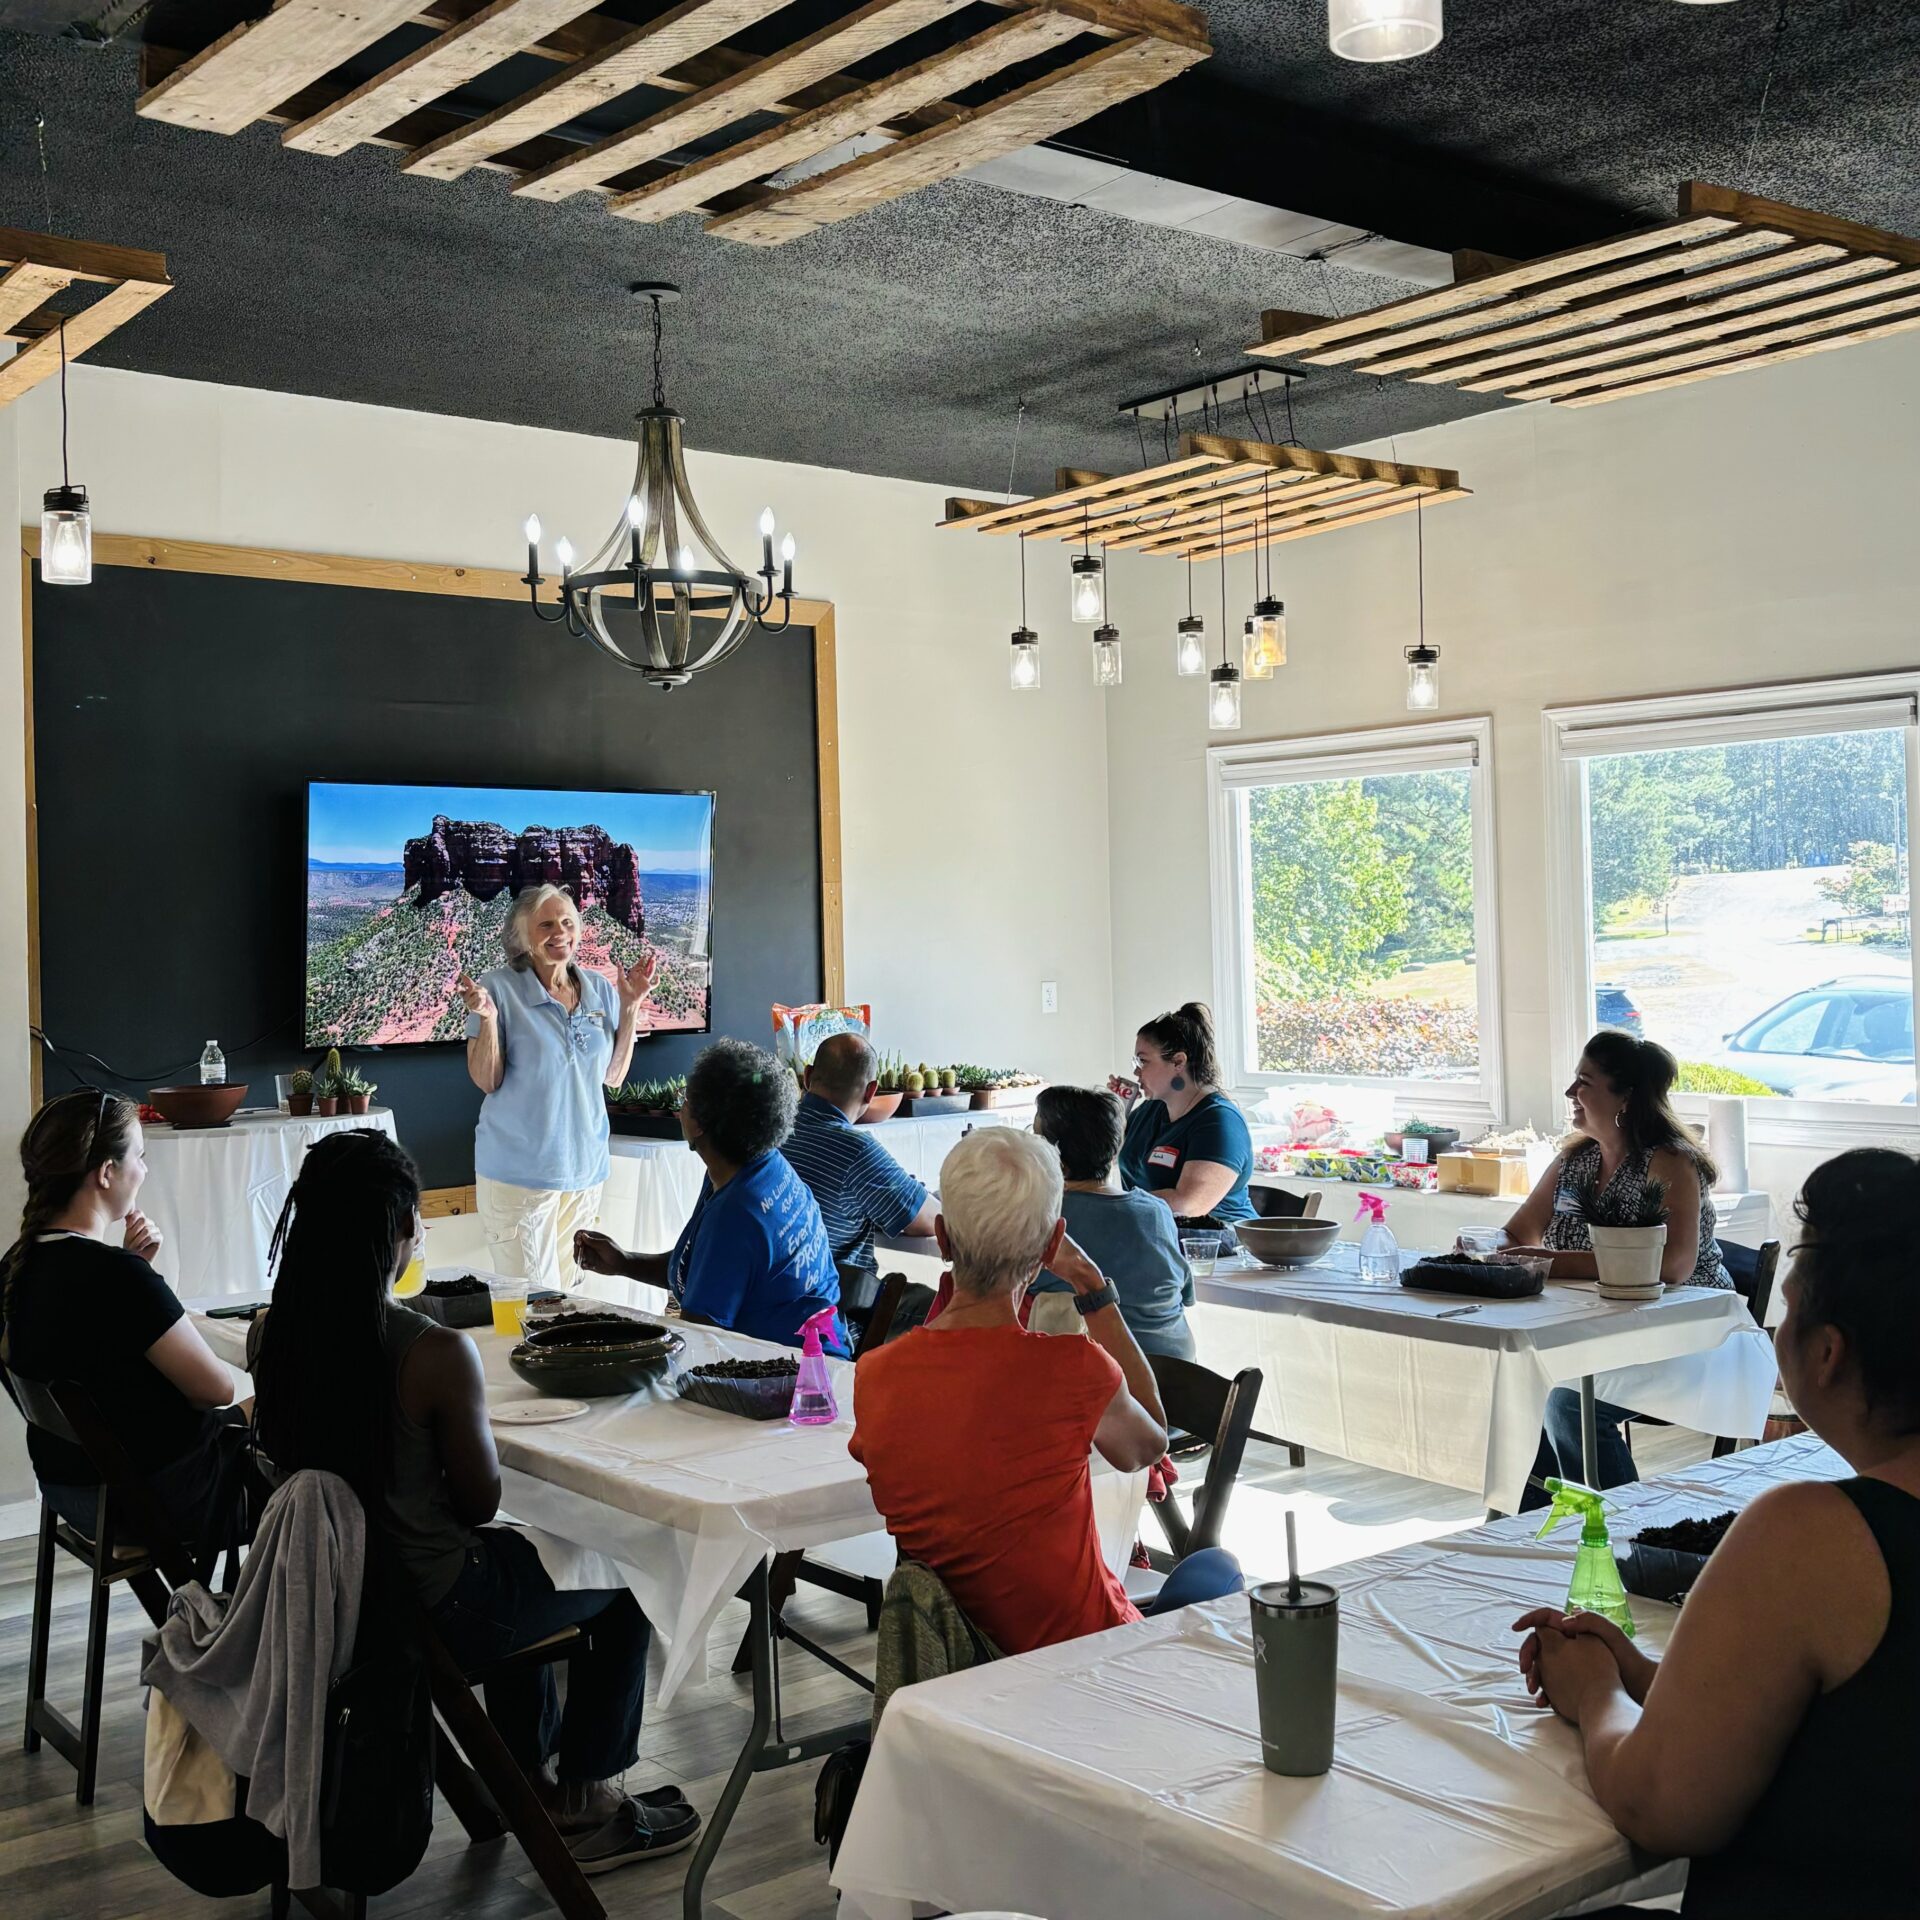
1049,996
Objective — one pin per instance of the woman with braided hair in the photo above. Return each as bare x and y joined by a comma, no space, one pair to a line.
76,1308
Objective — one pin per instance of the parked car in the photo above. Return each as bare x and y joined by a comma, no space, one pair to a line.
1613,1007
1849,1038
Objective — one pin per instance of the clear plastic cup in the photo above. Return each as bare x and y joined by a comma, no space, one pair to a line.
509,1305
1200,1251
1481,1241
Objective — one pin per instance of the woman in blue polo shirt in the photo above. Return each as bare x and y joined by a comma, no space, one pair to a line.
755,1256
544,1035
1186,1142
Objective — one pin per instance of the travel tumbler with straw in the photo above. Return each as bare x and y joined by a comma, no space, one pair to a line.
1296,1665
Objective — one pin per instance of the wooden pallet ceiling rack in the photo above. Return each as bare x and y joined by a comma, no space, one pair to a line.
1216,496
700,141
37,272
1734,282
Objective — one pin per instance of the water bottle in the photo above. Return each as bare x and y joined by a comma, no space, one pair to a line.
1379,1251
213,1066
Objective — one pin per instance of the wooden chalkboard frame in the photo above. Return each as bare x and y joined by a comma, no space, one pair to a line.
409,576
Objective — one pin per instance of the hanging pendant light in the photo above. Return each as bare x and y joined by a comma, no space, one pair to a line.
1374,30
1223,683
1106,637
1190,637
1023,664
1423,661
66,520
1087,580
1264,639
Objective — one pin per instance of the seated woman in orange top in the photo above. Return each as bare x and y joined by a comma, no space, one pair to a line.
977,1436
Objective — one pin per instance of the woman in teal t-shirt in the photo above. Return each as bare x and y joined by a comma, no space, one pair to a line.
1186,1142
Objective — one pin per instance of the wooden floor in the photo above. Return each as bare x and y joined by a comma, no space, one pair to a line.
58,1860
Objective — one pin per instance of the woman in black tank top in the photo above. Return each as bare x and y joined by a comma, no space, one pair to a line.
1777,1744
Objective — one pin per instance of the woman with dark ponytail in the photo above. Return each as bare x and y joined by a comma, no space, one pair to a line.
349,1380
76,1308
1186,1141
1629,1155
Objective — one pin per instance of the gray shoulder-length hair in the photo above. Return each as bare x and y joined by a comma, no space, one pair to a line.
526,903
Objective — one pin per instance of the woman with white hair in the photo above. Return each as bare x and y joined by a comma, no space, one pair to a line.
544,1035
978,1436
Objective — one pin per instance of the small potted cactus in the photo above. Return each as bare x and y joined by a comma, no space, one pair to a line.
326,1085
300,1092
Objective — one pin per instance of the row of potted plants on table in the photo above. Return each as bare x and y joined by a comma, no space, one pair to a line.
921,1088
329,1089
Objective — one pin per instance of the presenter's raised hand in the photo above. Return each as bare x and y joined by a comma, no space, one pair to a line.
477,998
637,981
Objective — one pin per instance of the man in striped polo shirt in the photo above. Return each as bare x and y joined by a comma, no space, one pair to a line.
862,1189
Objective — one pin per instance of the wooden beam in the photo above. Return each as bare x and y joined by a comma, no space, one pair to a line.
84,329
1040,109
636,59
259,63
82,259
1698,197
444,64
1361,516
23,288
1469,263
1008,41
1002,516
877,25
1240,500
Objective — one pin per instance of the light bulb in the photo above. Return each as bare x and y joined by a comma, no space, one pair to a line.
1423,678
787,550
1023,668
1266,639
1223,699
686,559
636,513
1190,647
1372,30
1087,590
766,523
563,552
1106,656
66,538
532,529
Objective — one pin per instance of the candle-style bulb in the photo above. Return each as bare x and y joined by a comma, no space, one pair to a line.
686,559
786,549
636,513
532,529
766,523
563,552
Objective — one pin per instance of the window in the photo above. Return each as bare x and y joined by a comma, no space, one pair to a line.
1353,913
1735,880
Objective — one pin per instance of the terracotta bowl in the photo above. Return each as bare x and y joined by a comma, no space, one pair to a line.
591,1360
187,1107
883,1106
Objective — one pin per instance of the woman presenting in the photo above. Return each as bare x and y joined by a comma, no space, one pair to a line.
1186,1142
543,1037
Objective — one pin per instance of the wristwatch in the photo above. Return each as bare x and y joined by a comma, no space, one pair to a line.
1102,1296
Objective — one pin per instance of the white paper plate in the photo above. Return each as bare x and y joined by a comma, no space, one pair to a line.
534,1413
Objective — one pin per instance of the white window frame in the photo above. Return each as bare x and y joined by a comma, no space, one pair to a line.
1725,716
1426,746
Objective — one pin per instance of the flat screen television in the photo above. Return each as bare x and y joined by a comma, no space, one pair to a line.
409,886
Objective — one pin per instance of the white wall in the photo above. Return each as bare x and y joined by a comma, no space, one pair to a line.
1758,527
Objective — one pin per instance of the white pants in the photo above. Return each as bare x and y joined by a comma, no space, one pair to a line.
530,1231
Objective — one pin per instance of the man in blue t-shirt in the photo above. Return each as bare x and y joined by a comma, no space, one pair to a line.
861,1188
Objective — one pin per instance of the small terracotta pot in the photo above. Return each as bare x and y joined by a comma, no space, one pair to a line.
326,1105
359,1102
299,1104
984,1097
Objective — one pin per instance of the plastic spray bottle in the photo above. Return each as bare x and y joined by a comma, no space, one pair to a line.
1379,1251
1595,1587
813,1401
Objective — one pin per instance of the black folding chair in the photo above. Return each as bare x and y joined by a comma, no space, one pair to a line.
1202,1402
1279,1203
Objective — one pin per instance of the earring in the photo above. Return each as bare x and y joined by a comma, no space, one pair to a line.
1179,1083
1620,1117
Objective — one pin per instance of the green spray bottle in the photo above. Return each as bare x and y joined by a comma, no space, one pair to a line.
1595,1587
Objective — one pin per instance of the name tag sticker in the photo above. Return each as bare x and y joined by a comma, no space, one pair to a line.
1164,1157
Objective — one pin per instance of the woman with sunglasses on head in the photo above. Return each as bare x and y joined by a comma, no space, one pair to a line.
77,1307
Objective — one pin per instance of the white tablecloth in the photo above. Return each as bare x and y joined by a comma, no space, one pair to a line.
1119,1777
1373,1374
215,1192
684,1499
655,1182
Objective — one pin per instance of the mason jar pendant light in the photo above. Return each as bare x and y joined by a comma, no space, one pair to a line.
1087,594
1423,661
1023,664
1106,637
1223,683
66,521
1373,30
1264,639
1190,637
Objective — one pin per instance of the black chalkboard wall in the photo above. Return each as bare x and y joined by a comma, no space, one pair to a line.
179,716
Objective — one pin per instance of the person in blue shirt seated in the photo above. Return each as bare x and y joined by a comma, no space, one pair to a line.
862,1189
1186,1141
1129,1236
754,1257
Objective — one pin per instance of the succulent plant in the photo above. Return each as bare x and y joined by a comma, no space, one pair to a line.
351,1082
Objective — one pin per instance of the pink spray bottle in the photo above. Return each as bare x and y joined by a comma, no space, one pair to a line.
813,1401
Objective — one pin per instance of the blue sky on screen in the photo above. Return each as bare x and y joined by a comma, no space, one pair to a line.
369,826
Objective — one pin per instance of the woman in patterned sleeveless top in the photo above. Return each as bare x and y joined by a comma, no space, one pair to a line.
1626,1139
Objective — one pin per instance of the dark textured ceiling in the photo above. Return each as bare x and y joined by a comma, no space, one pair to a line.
901,343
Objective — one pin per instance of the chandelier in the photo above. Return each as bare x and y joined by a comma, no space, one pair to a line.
644,599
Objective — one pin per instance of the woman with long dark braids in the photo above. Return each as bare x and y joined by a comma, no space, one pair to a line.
351,1381
75,1308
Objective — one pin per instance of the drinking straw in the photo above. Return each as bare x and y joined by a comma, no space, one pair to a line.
1293,1561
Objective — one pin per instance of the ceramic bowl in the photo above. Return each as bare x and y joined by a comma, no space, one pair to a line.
592,1360
1287,1243
883,1106
187,1107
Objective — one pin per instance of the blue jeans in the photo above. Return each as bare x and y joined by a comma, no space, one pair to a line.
1207,1575
1559,1454
503,1601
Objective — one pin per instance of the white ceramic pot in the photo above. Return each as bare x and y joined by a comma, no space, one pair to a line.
1628,1260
